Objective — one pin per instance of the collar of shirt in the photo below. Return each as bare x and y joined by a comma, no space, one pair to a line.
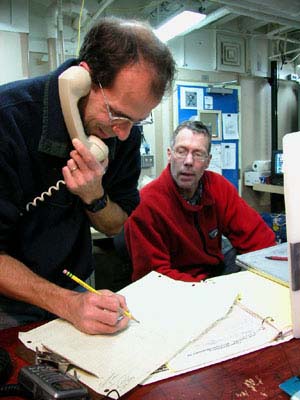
55,138
197,195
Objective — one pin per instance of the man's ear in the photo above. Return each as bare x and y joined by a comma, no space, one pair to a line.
85,66
208,161
169,154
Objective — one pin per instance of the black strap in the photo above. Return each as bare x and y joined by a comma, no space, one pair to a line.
5,366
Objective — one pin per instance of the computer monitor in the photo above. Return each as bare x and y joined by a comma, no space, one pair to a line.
276,167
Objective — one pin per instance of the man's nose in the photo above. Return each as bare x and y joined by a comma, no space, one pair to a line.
189,158
122,132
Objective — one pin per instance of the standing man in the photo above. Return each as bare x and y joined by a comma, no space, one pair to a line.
130,70
178,226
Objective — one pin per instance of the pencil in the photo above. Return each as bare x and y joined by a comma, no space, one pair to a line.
277,258
91,289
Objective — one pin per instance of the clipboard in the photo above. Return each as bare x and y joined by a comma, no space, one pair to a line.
256,261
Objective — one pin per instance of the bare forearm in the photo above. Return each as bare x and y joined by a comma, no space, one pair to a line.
91,313
20,283
110,219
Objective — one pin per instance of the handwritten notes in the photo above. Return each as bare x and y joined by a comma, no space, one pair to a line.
259,319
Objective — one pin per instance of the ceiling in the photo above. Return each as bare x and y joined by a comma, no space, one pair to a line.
274,20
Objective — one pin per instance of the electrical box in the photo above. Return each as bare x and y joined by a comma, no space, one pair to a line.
253,177
293,77
147,161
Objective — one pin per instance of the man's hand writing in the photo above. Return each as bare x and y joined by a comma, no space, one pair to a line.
97,314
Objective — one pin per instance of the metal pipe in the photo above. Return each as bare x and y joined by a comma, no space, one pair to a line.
269,11
274,124
285,53
104,4
274,120
52,53
60,32
264,16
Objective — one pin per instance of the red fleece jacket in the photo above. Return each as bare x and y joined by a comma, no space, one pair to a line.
167,234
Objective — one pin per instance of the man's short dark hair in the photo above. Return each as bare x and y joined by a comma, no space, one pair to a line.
195,126
114,43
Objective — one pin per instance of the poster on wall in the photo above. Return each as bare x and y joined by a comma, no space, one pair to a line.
212,120
230,126
228,155
208,102
215,164
191,98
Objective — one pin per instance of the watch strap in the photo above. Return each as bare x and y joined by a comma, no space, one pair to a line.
97,205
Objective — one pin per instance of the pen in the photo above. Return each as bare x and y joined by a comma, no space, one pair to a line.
277,258
91,289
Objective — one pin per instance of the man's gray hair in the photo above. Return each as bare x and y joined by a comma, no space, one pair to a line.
196,127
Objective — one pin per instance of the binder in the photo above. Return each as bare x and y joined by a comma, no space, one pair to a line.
178,319
259,318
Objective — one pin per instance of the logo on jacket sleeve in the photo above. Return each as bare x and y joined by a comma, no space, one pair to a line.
213,234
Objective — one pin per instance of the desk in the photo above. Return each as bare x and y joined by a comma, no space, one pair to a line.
255,376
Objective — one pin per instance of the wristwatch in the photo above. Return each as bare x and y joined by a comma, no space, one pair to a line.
97,205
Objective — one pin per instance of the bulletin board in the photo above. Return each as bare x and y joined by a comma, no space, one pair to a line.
220,113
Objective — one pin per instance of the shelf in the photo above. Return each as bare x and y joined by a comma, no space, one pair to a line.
261,187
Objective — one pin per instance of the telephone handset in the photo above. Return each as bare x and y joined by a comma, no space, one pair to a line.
73,84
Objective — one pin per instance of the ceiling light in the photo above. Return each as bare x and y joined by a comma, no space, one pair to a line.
179,25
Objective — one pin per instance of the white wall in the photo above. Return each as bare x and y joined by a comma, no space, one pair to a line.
14,54
14,16
14,28
288,105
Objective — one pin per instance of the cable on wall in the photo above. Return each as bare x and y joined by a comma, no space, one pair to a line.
79,28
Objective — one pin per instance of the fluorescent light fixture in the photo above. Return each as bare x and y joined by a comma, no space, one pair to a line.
179,25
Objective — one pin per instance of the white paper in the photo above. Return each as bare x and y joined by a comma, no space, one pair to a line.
208,103
243,329
230,126
228,156
215,164
170,318
236,335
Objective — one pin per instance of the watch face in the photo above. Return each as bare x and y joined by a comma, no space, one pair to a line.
97,204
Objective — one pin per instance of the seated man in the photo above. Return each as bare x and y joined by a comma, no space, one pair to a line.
177,228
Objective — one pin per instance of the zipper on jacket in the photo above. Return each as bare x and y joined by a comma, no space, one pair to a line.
202,237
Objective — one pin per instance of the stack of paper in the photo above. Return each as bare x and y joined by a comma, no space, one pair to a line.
171,314
180,325
259,319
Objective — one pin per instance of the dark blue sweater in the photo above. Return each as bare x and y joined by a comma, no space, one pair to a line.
34,146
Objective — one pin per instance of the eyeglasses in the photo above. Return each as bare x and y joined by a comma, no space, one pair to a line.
182,153
122,121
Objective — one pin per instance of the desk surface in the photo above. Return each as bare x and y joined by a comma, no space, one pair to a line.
255,376
268,188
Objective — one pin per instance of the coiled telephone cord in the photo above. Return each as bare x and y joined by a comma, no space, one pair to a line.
48,193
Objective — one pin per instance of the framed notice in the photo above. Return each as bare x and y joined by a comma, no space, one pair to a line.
191,98
213,121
